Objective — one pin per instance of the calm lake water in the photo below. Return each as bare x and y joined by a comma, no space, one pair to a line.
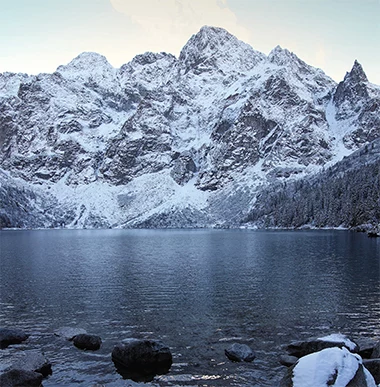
198,291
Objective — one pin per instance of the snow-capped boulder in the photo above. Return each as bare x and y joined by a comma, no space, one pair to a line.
303,348
336,367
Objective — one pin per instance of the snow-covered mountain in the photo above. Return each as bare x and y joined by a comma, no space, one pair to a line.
167,142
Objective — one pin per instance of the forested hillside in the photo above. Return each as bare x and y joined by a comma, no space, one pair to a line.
347,194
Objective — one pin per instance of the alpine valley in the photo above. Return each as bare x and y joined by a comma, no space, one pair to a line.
223,136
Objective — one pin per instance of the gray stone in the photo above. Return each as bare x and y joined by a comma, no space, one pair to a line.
33,361
287,360
240,352
11,336
20,378
89,342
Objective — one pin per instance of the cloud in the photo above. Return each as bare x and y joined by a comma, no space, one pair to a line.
166,25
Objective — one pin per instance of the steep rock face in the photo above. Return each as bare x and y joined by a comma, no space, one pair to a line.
173,142
357,108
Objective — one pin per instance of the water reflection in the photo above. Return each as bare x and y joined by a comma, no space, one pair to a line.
195,290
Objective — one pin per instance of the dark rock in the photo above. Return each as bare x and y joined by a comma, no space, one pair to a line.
141,360
287,360
373,366
240,352
183,169
303,348
11,336
90,342
69,333
20,378
376,351
33,361
366,347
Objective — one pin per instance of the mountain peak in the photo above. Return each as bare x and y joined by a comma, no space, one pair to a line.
356,74
85,65
214,47
282,56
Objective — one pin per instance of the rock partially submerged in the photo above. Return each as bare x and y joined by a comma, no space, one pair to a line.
329,367
20,378
376,351
89,342
287,360
32,361
11,336
141,360
240,352
69,333
303,348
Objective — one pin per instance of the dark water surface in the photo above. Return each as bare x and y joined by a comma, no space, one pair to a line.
198,291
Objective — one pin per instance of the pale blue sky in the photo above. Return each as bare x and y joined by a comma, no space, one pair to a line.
39,35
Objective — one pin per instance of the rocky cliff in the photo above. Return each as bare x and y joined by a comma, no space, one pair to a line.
172,142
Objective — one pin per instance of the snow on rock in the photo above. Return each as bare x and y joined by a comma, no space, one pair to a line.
339,338
331,367
202,134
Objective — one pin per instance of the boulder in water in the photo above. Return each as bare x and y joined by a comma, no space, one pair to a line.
20,378
329,367
69,333
11,336
32,361
303,348
89,342
141,360
240,352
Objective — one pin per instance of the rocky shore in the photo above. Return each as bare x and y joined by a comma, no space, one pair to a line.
333,360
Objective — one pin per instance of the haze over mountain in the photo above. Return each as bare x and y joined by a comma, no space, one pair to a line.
192,141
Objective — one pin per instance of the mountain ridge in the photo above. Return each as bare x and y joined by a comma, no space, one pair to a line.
163,138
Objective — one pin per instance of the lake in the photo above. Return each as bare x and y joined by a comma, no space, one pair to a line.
198,291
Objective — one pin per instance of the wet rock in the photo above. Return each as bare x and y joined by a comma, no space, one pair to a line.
303,348
366,346
89,342
20,378
69,333
376,351
11,336
141,360
325,367
33,361
373,366
240,352
287,360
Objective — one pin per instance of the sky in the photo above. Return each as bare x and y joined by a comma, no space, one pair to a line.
39,35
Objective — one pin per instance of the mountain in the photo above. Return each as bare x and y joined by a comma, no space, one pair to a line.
173,142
